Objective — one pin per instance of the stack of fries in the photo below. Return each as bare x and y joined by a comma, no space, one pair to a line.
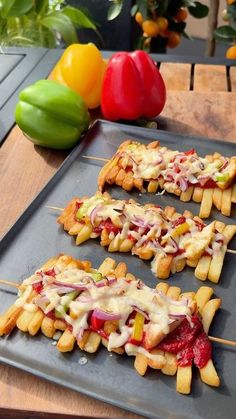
172,251
26,315
148,167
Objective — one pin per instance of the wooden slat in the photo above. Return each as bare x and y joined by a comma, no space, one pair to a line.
176,76
210,78
194,113
232,75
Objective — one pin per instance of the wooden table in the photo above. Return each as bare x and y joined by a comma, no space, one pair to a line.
199,103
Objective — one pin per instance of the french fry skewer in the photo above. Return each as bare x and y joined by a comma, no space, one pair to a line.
62,209
132,155
212,338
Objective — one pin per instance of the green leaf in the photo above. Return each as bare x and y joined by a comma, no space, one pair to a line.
57,21
199,10
20,8
5,6
143,8
78,17
134,10
188,3
114,10
225,34
41,6
162,7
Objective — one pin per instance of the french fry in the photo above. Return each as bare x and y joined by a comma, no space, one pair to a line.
141,364
197,194
84,234
92,342
9,319
152,186
209,375
170,366
66,342
187,195
234,194
107,266
206,204
35,323
208,312
216,265
47,327
183,380
217,198
226,202
202,296
202,268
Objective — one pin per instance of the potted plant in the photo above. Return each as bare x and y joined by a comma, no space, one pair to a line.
161,22
46,23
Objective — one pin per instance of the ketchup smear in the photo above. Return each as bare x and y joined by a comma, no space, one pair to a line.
189,342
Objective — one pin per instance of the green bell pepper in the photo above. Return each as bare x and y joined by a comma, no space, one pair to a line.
61,310
51,115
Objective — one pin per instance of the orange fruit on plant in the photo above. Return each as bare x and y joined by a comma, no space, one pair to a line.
181,15
151,28
229,2
165,33
139,18
231,52
173,39
162,23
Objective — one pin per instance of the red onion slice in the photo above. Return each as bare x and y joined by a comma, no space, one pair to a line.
136,308
183,184
203,179
94,213
79,287
104,315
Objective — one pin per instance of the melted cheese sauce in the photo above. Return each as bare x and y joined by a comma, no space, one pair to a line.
150,164
119,298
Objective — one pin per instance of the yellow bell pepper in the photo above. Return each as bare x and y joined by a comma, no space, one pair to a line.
82,68
137,334
180,229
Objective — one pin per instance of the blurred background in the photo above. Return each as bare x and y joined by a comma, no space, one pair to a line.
186,27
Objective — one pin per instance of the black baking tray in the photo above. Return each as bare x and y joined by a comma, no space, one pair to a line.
109,377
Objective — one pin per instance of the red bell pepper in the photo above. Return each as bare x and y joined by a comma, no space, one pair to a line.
132,87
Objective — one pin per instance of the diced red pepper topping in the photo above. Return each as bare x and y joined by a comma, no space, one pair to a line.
38,286
190,152
108,225
209,184
78,205
179,221
96,323
51,315
50,272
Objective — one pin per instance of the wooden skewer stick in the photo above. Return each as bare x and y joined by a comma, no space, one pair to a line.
62,209
95,158
212,338
223,341
11,284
